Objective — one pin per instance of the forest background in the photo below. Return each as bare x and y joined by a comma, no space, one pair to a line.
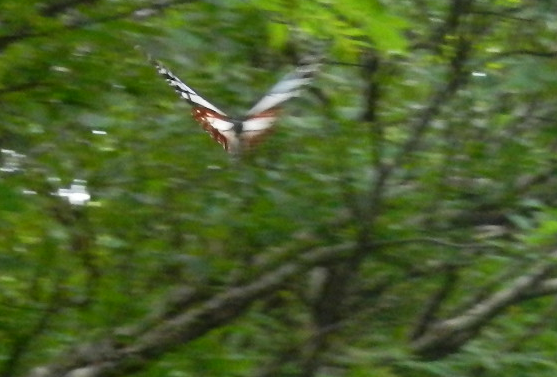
400,222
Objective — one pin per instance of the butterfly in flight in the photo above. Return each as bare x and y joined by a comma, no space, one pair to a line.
238,134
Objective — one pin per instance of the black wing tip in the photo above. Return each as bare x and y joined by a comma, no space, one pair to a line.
161,69
158,65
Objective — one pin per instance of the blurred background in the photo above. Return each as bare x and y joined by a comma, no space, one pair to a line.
400,221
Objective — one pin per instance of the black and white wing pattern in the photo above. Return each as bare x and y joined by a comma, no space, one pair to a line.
212,119
237,135
261,117
185,91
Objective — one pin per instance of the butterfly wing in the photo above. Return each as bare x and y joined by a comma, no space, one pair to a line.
185,91
289,86
261,117
217,125
258,126
213,120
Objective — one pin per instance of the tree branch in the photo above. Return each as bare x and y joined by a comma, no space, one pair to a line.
20,87
525,52
22,342
127,353
6,40
449,335
457,10
429,315
52,10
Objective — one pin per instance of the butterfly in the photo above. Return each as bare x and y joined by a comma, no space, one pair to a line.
239,134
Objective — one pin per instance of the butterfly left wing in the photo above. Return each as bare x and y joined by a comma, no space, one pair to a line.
218,126
185,91
213,120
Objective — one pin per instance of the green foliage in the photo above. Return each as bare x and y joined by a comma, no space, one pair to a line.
350,25
429,163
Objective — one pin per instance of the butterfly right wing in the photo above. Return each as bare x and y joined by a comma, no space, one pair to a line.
288,87
261,117
258,126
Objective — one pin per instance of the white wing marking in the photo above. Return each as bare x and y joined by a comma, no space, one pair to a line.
217,126
285,89
260,117
215,120
260,121
257,127
185,91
